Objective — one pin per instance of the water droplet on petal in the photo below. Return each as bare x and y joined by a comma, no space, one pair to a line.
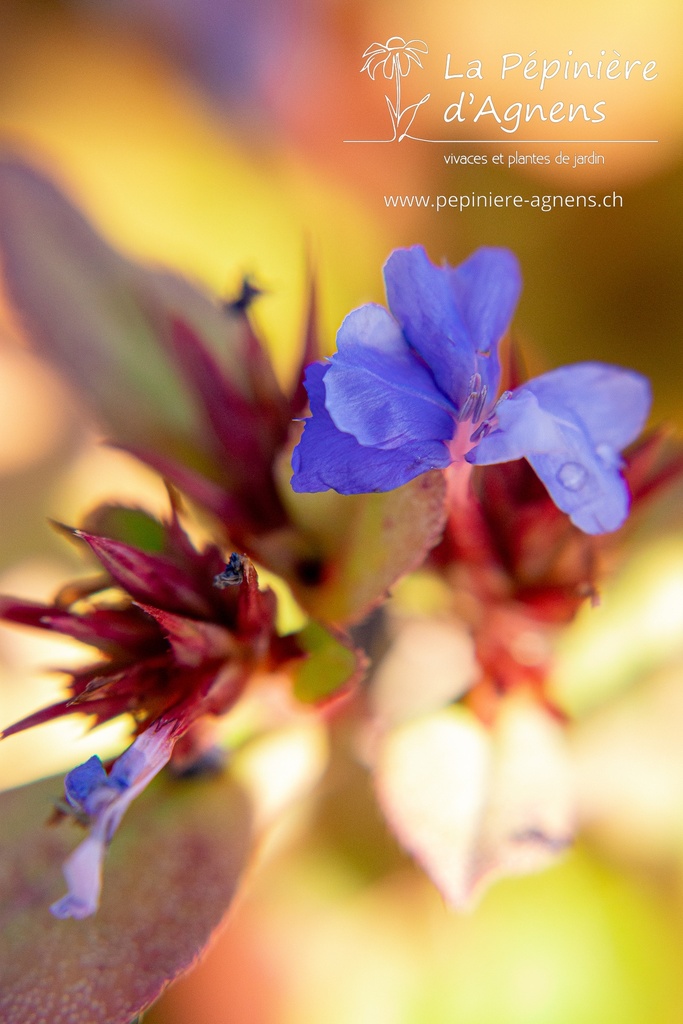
607,454
572,475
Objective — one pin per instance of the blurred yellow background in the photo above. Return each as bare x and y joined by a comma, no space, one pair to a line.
208,135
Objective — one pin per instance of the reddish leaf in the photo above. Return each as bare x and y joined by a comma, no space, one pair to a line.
110,629
195,484
149,579
98,318
311,352
235,421
194,642
170,875
37,718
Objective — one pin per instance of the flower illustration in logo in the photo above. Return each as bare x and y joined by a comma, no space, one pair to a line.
395,58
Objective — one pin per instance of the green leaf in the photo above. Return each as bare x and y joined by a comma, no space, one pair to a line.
331,665
170,875
132,526
348,550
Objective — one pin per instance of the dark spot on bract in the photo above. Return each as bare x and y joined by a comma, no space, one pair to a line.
248,293
310,571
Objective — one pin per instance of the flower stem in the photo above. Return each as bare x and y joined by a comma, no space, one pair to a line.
397,67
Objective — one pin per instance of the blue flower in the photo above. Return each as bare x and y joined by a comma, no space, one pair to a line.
102,799
416,389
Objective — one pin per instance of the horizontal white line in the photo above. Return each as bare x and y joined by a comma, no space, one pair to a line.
545,142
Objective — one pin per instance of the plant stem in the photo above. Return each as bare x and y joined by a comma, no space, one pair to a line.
397,68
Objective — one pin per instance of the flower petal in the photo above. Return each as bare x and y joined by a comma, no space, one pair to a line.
83,874
595,497
579,482
167,887
84,780
454,318
377,390
413,57
374,62
374,48
438,654
402,63
530,815
471,804
431,779
419,297
486,290
327,458
571,424
611,402
106,798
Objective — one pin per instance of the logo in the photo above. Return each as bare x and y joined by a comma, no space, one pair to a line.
500,96
395,58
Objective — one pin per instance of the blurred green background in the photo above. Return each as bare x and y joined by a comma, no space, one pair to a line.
208,135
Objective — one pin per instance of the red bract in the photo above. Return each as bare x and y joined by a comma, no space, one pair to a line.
519,569
181,380
243,430
180,633
472,768
170,372
174,644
